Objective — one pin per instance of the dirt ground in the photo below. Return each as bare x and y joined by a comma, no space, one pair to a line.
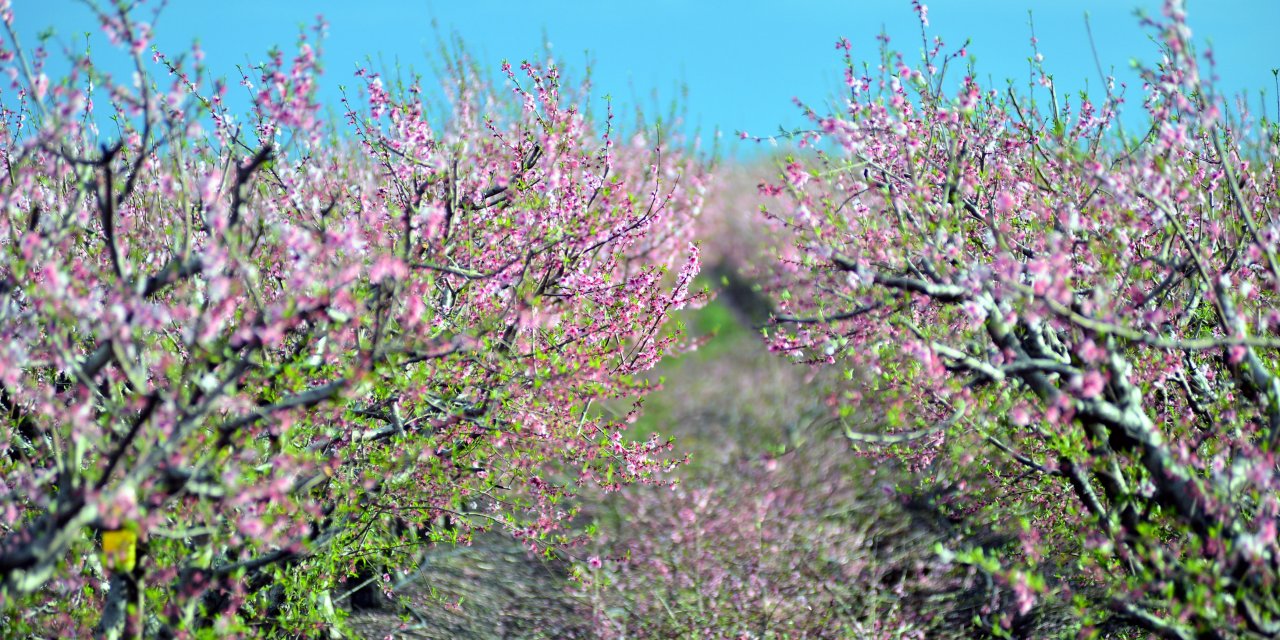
492,589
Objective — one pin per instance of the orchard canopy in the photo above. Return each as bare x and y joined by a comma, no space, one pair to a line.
263,344
1065,327
250,358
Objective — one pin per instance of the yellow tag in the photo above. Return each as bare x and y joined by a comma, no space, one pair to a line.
120,549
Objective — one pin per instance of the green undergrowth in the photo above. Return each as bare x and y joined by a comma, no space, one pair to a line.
726,398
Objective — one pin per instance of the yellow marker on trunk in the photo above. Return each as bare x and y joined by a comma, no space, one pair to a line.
120,549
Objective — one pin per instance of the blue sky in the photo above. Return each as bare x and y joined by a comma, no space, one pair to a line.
742,61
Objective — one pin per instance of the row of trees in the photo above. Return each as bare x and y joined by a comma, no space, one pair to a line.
245,358
1070,332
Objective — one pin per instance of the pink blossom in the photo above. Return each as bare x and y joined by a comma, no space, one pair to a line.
1004,201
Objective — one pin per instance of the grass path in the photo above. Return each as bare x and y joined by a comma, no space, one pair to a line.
829,535
728,400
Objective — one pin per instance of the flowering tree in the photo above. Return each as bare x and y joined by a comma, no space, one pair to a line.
1095,312
241,358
